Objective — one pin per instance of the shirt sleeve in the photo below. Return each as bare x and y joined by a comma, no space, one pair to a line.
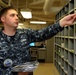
45,33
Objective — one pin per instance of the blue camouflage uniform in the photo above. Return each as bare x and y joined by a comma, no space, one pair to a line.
17,47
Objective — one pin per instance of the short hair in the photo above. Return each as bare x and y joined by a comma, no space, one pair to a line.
4,10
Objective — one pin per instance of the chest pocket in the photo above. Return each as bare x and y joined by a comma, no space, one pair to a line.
23,43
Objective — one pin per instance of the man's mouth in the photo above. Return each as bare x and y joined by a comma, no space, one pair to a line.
16,23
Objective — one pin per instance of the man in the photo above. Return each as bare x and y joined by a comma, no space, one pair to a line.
14,43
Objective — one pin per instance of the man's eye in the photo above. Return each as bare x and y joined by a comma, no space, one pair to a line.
12,15
17,15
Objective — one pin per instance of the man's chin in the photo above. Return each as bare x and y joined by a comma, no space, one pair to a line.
16,26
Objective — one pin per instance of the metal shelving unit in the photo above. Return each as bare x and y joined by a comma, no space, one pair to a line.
65,43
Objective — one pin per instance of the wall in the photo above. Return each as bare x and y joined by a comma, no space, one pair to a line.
50,49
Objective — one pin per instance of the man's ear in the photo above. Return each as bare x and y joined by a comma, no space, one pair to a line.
2,18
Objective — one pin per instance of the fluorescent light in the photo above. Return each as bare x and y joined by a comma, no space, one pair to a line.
26,14
37,22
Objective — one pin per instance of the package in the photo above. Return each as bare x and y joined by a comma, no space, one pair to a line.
26,67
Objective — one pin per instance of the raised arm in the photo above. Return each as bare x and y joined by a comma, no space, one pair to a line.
52,30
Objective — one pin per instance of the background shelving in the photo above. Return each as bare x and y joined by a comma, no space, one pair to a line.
71,31
66,55
65,43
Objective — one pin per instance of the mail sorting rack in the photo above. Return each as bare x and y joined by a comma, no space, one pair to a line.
65,43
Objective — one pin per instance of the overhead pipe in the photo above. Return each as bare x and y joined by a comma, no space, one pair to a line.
9,3
49,8
2,3
47,5
35,2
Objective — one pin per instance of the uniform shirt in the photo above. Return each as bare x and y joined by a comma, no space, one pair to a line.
17,47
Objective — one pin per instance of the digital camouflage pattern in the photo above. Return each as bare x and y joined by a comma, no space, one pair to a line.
17,47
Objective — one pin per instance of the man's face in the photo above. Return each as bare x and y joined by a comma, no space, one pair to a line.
11,18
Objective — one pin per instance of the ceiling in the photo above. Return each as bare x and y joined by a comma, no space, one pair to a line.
42,10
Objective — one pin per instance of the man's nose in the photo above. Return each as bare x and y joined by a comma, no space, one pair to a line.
16,17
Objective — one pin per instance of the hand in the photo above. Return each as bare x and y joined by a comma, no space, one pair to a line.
68,20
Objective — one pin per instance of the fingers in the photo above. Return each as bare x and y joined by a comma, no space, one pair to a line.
73,16
68,20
